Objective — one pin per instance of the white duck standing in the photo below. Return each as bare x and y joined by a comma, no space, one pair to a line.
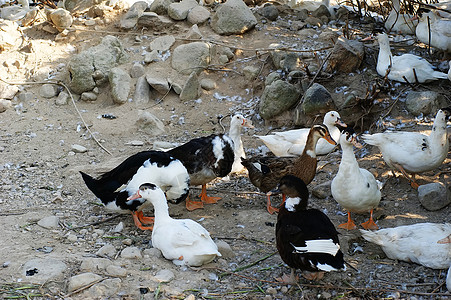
398,22
434,30
413,152
292,142
237,122
354,188
404,68
185,242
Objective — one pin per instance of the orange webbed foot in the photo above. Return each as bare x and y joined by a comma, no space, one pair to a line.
192,205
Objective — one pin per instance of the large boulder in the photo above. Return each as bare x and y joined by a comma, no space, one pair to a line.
277,98
92,66
424,102
191,57
317,99
233,17
346,56
179,10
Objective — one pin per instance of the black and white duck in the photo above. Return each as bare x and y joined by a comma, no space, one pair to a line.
207,158
306,239
114,187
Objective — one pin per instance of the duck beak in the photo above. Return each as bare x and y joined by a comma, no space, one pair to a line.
341,123
368,38
135,196
247,123
414,18
328,138
274,191
356,143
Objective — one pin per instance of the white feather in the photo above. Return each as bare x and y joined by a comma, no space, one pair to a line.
318,246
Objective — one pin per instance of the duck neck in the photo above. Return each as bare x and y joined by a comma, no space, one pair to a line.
384,59
348,156
396,5
161,211
439,134
235,135
310,144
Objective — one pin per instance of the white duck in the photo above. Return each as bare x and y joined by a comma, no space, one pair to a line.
439,28
449,71
237,122
185,242
354,188
406,67
398,22
292,142
421,243
413,152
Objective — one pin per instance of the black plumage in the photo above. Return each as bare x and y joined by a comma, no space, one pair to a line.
300,227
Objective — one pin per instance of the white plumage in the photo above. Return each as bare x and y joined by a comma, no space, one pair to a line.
404,67
292,142
439,29
185,242
398,22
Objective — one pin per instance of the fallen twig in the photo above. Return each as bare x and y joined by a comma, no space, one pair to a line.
84,288
247,266
95,223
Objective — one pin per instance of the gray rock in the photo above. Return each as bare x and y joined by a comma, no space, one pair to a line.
191,89
88,96
107,250
130,18
233,17
137,70
270,12
179,10
75,6
8,91
272,77
322,190
433,196
278,98
152,21
191,57
142,91
160,6
43,270
131,253
225,249
346,56
119,227
290,62
50,222
81,280
78,148
152,252
160,84
162,43
42,74
62,99
26,96
149,123
321,11
103,290
91,67
207,84
95,265
425,102
251,72
61,18
72,237
5,105
302,14
120,83
127,242
223,59
47,90
313,21
317,99
164,275
116,271
176,85
194,33
198,15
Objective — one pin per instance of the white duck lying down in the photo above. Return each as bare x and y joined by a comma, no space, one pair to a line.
185,242
406,68
418,243
292,142
414,152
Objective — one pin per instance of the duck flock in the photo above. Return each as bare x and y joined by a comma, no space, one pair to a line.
306,238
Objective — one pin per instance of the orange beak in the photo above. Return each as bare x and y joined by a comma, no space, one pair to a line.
328,138
341,123
247,123
135,196
414,18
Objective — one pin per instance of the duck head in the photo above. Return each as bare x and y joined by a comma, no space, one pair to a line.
446,111
239,120
148,191
296,192
348,135
321,131
333,118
